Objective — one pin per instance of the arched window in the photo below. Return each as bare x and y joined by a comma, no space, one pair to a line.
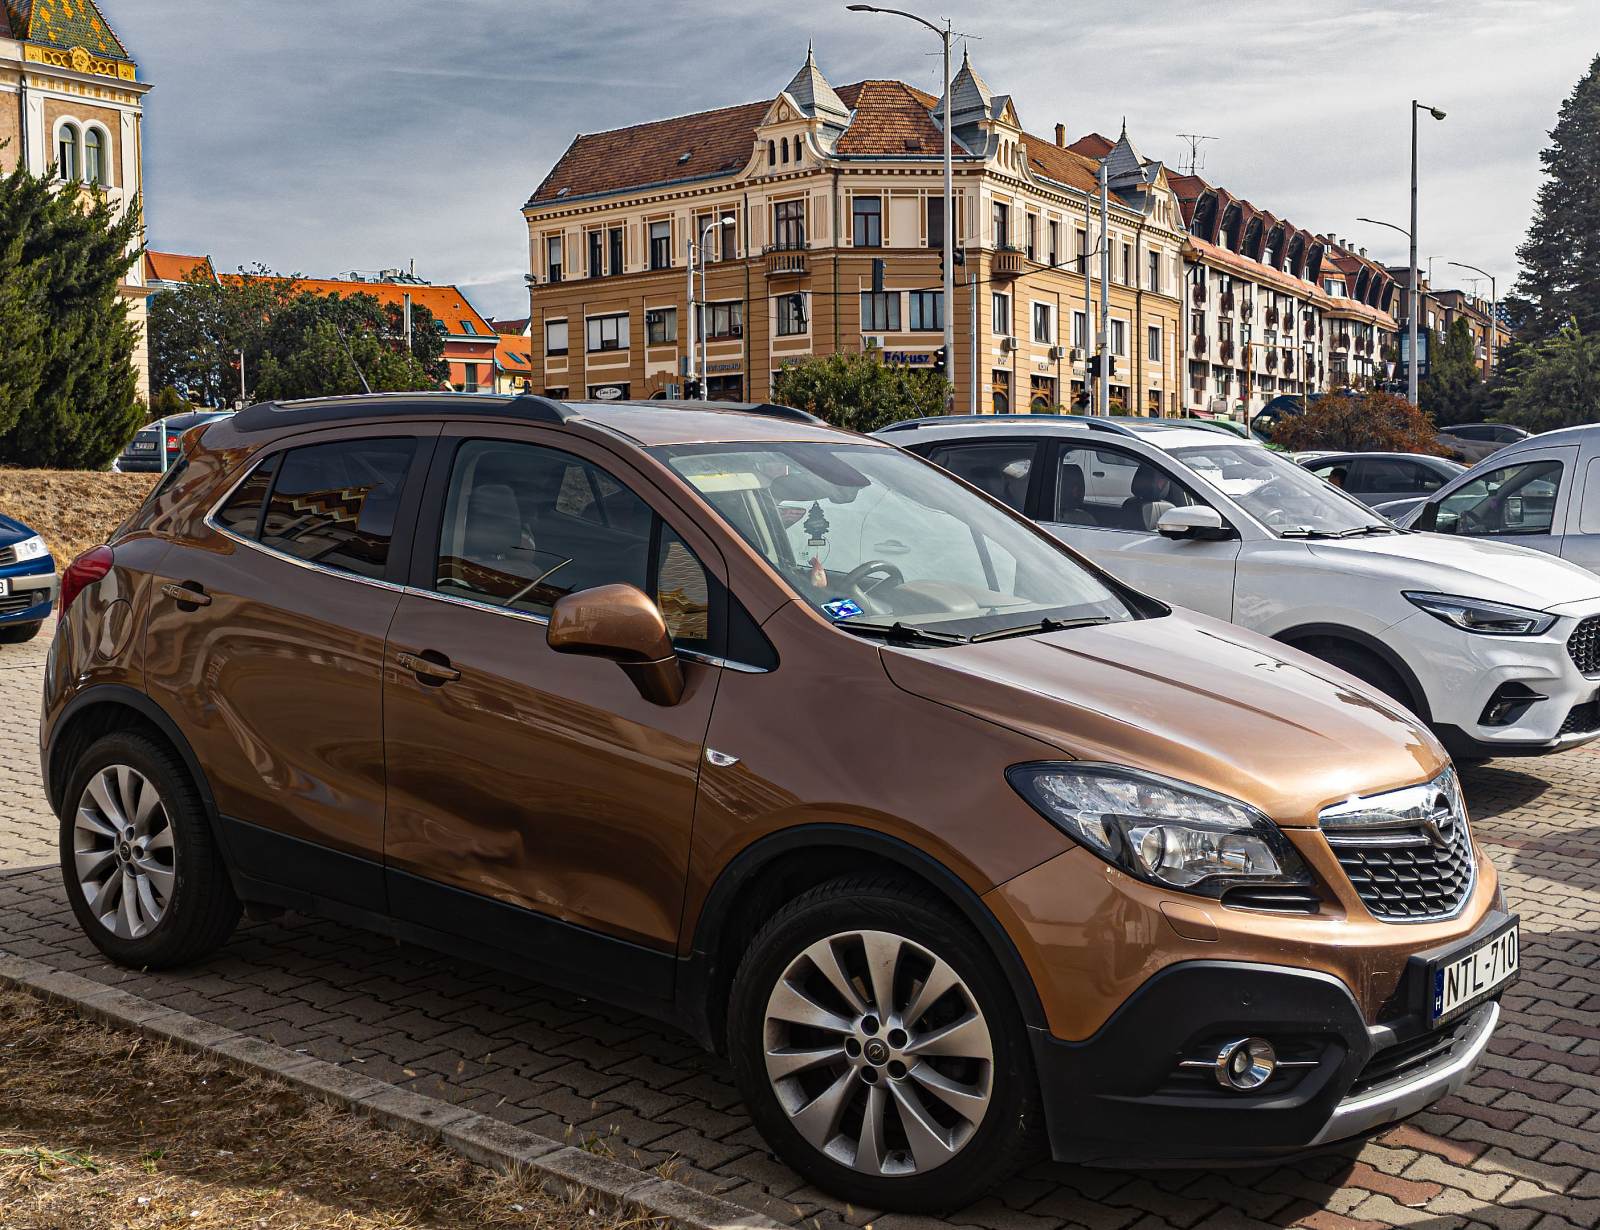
67,152
772,153
94,166
785,146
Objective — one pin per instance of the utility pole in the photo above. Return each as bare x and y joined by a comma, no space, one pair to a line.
972,280
1105,294
1411,365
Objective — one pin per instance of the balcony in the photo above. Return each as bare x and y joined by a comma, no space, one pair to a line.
785,261
1008,263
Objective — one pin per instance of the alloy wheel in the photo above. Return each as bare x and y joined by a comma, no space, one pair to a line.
123,852
878,1053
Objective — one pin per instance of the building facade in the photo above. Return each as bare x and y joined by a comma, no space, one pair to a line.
71,98
1272,309
1442,308
820,213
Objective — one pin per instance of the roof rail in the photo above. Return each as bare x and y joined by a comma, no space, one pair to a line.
1010,418
766,409
268,414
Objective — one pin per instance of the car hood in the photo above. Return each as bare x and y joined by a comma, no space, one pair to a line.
1191,698
1466,567
12,530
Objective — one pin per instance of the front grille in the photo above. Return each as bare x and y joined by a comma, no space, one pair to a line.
20,600
1408,852
1273,899
8,555
1584,645
1406,1059
1582,719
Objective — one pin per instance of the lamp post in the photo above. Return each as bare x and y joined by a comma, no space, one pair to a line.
705,238
1413,304
944,34
1494,306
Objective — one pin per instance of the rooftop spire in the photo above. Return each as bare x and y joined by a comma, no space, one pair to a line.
812,93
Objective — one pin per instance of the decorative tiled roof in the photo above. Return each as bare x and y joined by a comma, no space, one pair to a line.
174,266
891,118
971,99
812,93
1065,166
64,24
448,305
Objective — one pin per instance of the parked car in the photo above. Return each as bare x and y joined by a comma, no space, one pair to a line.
1378,478
144,453
1286,405
1475,441
1542,492
1228,427
27,582
956,845
1496,647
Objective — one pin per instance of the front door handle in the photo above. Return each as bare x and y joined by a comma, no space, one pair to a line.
427,669
188,595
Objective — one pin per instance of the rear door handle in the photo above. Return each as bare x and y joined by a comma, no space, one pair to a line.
426,669
189,596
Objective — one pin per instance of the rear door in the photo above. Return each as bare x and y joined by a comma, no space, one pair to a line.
266,645
1581,542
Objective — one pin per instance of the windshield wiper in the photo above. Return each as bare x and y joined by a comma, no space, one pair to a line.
901,631
1368,529
1304,531
1044,625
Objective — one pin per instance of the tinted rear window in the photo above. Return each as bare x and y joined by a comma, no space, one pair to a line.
335,504
242,512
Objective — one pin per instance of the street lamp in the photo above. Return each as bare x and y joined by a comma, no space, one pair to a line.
944,34
1494,306
705,239
1411,367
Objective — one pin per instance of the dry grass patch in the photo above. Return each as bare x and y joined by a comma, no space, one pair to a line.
100,1128
73,509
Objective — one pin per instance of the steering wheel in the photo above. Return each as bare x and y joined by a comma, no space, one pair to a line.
855,580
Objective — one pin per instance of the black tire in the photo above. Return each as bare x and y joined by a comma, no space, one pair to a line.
16,634
1365,666
201,910
1010,1132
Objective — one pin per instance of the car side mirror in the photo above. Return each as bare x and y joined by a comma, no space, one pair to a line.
1198,521
621,623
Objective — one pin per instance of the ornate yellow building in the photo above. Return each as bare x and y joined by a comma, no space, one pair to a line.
70,97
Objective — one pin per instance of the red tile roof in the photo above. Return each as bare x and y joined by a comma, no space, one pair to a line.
514,354
448,305
1065,166
1092,145
174,266
890,118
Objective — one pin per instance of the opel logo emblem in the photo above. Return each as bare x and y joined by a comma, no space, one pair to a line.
877,1052
1441,823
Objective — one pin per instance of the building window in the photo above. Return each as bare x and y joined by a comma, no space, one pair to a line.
1127,264
558,392
660,326
614,242
1152,344
784,146
1002,225
1044,323
1042,394
1002,315
724,320
1080,330
552,253
1083,249
67,145
1054,252
1119,337
880,311
791,315
661,245
728,224
927,309
1032,232
789,224
866,221
94,168
936,222
608,332
772,153
555,337
1000,397
469,377
1155,271
597,254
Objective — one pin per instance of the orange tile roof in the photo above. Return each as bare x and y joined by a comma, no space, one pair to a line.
174,266
448,305
1092,145
514,354
890,118
1065,166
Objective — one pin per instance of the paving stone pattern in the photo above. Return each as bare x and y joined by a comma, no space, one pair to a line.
1518,1148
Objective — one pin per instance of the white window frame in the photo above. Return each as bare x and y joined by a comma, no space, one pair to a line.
1049,319
566,339
619,332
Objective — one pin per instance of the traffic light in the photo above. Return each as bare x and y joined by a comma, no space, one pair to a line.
691,390
961,259
941,361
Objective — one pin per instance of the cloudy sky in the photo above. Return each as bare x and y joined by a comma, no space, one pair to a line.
321,136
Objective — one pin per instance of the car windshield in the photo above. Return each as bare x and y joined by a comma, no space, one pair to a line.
883,543
1286,498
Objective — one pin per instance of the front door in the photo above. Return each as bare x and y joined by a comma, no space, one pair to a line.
1105,502
1522,501
537,802
1581,542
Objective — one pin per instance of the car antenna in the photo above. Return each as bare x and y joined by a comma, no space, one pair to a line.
349,354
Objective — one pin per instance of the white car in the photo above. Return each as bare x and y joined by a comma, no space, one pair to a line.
1497,647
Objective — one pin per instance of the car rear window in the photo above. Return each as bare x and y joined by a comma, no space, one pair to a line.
335,504
242,513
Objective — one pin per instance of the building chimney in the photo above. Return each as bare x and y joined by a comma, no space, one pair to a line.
1363,253
1061,135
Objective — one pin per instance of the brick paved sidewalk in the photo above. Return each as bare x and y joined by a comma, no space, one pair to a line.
1519,1148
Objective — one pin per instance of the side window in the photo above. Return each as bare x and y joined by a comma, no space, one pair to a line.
1515,499
1386,474
1113,490
1589,518
242,513
335,504
683,592
1003,468
1427,478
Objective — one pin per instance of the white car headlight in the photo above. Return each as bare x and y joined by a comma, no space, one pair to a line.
30,548
1161,831
1481,615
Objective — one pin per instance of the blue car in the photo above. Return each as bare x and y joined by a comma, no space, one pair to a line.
28,582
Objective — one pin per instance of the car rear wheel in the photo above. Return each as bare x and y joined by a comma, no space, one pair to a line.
16,634
880,1050
142,871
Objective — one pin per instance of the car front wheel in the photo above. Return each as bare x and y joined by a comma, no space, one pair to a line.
880,1050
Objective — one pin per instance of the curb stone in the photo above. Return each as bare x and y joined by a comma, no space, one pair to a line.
565,1171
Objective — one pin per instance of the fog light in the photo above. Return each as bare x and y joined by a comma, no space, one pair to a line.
1246,1064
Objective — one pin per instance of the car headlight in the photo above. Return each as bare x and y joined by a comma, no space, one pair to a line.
30,548
1158,830
1481,615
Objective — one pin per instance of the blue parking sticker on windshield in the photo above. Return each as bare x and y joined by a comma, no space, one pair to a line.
841,608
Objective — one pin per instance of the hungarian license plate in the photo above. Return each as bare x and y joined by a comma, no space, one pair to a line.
144,446
1462,980
5,587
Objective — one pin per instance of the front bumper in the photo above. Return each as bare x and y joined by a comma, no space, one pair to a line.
31,597
1124,1097
1545,703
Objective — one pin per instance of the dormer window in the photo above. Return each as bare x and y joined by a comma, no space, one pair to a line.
784,145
